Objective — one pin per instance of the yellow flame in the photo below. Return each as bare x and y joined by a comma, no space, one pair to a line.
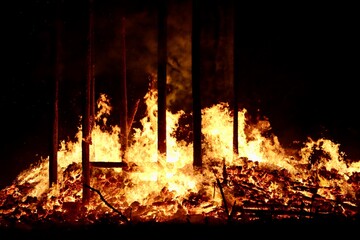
170,178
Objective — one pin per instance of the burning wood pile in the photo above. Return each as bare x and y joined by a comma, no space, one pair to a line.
297,201
245,199
264,183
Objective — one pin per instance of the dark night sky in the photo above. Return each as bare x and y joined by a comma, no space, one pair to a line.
298,65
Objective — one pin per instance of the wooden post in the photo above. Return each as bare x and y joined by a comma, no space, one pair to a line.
235,82
92,66
161,83
86,127
123,95
53,158
196,93
91,69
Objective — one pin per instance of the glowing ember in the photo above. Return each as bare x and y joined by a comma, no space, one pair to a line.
264,178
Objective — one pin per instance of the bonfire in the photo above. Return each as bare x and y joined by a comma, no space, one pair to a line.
263,182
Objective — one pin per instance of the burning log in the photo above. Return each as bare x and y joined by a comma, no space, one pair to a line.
258,191
252,201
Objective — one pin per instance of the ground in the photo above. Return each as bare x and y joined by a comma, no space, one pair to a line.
282,229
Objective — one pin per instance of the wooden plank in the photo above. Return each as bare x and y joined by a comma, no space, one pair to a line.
108,164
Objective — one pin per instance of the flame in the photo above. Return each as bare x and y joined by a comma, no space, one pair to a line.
162,187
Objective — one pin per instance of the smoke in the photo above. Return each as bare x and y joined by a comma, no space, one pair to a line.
179,57
141,51
141,29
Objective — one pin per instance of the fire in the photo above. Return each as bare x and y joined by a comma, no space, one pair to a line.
156,187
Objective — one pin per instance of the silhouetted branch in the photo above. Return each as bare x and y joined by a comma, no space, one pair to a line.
132,115
107,203
223,196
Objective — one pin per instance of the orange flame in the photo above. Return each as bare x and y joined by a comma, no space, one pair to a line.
164,187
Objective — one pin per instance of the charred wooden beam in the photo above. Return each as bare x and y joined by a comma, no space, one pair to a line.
236,79
53,158
91,64
224,172
86,121
161,83
196,82
123,94
108,164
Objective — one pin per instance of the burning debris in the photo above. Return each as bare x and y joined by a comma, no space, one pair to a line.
264,182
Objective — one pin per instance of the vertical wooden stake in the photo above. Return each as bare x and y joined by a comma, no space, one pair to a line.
235,84
87,118
161,83
196,93
123,95
53,159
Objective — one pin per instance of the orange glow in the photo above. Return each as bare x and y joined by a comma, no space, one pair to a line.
163,188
